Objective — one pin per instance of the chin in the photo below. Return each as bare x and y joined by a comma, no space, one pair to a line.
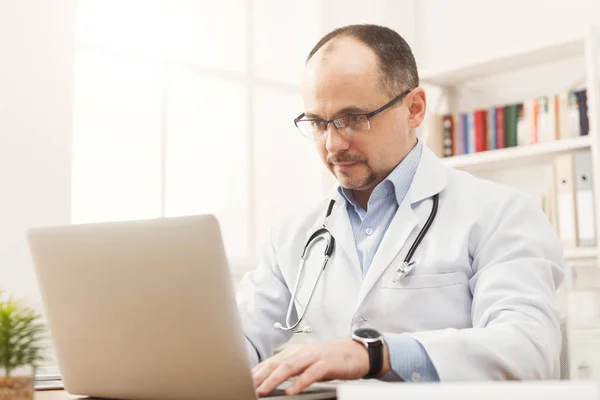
351,183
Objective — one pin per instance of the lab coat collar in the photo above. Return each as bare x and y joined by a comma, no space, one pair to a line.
430,179
338,224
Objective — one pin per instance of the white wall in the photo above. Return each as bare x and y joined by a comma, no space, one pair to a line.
35,130
450,32
395,14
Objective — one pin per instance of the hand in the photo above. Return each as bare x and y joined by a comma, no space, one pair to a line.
343,359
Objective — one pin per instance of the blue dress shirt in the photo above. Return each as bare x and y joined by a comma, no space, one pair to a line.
408,359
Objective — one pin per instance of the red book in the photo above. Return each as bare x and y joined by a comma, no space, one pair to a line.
480,118
499,127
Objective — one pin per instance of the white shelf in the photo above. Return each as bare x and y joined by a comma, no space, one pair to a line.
487,67
581,253
517,156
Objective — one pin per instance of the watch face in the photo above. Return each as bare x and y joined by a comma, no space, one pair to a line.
367,333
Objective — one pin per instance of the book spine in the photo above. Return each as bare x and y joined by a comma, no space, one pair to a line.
447,124
479,130
500,127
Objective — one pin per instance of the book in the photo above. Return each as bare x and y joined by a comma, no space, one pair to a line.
544,118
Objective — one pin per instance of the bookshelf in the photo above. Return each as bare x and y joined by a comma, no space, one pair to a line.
451,83
581,254
540,164
517,156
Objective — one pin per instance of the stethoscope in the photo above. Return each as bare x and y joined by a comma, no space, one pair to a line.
322,233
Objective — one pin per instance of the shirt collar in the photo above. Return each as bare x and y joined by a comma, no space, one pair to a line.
396,184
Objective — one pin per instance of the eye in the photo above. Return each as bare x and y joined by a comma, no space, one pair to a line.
355,118
316,124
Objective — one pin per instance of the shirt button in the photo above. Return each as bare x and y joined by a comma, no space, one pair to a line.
369,231
415,377
359,321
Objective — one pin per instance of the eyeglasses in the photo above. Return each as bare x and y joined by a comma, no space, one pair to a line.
348,125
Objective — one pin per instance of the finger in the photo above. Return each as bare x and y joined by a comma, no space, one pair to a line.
314,373
263,370
283,372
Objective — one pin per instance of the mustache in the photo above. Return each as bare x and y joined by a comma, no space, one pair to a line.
344,157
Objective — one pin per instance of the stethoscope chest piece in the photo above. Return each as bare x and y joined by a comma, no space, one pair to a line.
404,269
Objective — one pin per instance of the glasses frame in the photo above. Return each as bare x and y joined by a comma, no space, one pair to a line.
367,115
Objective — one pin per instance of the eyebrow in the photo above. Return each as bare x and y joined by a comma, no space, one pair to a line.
343,111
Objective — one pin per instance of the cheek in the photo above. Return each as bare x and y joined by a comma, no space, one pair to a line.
380,152
322,150
371,148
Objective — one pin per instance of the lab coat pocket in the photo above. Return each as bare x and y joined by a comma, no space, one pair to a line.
425,281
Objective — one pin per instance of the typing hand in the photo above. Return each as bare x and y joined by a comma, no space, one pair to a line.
342,359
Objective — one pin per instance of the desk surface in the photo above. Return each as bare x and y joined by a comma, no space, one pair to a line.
53,395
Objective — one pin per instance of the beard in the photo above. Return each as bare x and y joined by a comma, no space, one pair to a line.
361,177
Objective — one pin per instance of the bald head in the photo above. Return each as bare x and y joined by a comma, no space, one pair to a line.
393,55
345,65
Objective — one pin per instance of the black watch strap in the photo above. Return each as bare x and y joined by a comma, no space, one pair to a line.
375,350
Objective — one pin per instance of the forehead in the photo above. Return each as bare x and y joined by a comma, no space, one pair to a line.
342,73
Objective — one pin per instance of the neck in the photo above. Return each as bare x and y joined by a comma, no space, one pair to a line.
362,197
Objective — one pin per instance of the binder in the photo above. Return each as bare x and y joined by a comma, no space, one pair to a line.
584,199
549,197
565,190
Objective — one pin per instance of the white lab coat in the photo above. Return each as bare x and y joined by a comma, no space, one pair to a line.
481,298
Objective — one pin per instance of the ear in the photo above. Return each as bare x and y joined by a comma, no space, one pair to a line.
417,104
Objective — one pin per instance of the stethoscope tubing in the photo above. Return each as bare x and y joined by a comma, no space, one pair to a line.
321,233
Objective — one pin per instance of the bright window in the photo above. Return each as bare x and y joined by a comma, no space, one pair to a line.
185,107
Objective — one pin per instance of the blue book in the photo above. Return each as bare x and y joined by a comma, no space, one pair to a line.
471,133
459,136
465,133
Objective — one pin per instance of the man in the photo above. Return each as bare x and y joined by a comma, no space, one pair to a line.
477,300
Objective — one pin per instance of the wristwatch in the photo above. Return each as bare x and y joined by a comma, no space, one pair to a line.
373,341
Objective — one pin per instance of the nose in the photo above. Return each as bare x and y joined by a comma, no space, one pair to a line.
335,141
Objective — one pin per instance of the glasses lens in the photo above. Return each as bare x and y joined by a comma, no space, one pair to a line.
311,128
353,124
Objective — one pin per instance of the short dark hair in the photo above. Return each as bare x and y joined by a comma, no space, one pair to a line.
396,60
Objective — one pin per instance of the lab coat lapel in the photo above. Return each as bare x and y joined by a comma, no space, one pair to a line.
429,179
403,223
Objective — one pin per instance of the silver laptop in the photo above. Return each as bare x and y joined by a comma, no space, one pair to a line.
144,310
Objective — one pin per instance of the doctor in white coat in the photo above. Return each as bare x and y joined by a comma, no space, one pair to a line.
478,301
